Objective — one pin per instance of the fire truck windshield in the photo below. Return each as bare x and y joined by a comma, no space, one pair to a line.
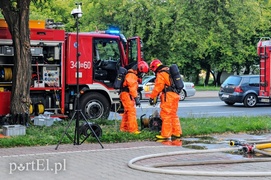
106,49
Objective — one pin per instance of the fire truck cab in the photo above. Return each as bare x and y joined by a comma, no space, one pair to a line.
62,61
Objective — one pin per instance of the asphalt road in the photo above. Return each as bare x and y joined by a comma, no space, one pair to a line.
203,104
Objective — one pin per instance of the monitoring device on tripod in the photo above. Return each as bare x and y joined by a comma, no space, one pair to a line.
86,129
77,12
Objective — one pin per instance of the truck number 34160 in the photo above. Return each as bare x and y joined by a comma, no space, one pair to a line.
84,65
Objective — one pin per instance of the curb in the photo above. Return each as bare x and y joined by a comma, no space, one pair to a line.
206,94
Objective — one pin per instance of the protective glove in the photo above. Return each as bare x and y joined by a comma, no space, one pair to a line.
151,101
137,101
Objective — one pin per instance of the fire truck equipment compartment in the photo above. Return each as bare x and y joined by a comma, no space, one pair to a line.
5,102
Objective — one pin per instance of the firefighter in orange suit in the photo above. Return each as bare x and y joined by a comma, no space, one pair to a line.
169,101
128,97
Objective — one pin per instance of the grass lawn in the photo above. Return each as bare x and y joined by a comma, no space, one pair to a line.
43,135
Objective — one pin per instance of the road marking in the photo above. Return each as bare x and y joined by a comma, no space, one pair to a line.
80,151
200,104
231,112
181,104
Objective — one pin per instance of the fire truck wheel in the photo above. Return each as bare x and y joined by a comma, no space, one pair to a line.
94,106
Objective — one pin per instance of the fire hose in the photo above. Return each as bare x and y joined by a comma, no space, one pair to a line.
5,74
252,147
156,168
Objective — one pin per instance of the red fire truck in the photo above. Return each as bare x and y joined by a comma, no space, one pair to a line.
54,69
264,51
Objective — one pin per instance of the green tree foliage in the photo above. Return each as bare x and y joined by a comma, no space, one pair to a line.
213,35
58,10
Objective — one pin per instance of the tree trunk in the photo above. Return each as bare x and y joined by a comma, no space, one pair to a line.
247,69
197,77
18,23
206,81
218,76
208,70
214,82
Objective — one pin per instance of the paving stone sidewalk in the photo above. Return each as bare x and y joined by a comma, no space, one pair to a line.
91,161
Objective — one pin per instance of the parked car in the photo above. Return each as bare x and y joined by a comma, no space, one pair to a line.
240,89
145,89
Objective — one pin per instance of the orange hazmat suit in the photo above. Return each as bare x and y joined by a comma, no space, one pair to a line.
169,104
129,120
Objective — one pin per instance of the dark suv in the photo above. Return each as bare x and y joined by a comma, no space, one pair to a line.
240,89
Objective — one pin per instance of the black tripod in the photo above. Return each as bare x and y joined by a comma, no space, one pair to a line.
78,130
77,13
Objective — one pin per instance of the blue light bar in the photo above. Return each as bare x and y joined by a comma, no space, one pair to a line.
110,31
113,30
